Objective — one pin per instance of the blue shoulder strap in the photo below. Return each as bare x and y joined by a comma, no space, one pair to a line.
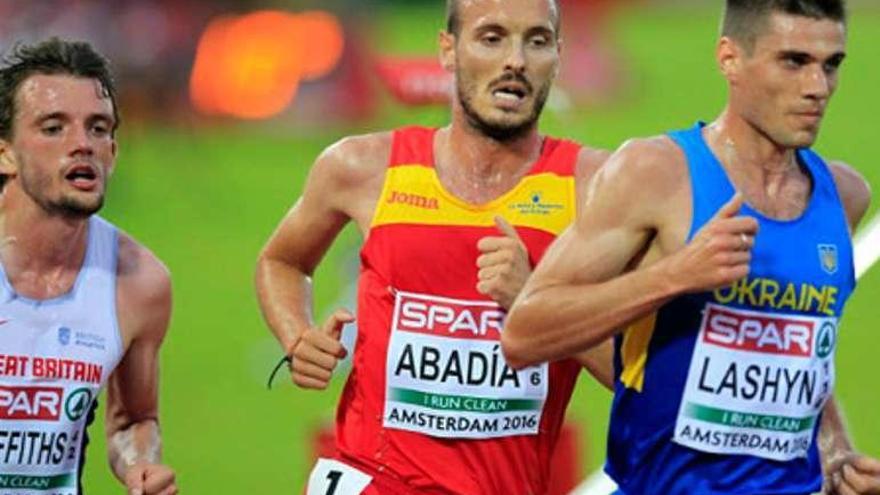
710,187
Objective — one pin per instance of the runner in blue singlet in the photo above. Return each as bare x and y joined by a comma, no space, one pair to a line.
720,257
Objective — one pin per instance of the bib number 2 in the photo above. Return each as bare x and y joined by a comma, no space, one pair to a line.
331,477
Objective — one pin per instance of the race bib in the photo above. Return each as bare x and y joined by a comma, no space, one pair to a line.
41,431
446,376
331,477
757,383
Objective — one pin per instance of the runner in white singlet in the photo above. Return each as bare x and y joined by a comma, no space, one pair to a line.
81,304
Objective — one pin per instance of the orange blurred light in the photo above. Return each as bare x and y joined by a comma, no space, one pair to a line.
209,61
323,34
250,66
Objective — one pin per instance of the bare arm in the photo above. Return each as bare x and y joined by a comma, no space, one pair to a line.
577,296
343,185
504,259
854,191
599,361
289,259
504,265
598,246
132,422
846,471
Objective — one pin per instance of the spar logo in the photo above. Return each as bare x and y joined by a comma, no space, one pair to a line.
30,403
448,317
766,333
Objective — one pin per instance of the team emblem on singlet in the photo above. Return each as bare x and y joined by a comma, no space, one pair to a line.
828,258
446,376
757,382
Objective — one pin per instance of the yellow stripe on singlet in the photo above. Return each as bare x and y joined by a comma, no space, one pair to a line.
414,195
634,351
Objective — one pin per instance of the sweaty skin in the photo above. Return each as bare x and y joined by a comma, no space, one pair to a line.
626,256
64,122
354,168
499,47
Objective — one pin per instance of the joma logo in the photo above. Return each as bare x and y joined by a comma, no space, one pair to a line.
415,200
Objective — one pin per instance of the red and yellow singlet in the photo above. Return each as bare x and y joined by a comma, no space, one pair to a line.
430,405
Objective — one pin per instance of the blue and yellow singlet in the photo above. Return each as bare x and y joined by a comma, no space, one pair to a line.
721,392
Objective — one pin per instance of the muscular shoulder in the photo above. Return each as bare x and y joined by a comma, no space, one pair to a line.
854,191
648,169
143,292
355,159
640,186
353,169
589,161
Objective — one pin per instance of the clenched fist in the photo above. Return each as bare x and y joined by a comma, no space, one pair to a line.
503,263
719,254
853,474
317,352
150,479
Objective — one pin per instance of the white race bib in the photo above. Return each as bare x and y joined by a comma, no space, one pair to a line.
757,383
446,376
331,477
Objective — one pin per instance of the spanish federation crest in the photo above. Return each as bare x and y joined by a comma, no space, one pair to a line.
828,258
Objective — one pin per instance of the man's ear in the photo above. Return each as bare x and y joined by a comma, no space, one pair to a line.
115,151
729,55
447,50
559,46
8,163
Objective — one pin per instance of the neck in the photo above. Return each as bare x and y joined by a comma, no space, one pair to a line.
37,242
463,149
746,149
765,172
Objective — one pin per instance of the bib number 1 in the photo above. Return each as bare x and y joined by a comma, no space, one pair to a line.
331,477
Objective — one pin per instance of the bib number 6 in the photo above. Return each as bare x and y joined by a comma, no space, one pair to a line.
330,477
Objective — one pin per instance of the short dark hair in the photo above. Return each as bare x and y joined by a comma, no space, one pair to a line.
744,19
50,57
453,20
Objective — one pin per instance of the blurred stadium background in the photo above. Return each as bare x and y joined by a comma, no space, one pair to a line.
225,105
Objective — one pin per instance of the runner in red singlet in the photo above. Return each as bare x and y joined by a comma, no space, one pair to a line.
454,219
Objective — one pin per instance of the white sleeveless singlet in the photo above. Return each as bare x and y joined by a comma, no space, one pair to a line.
55,355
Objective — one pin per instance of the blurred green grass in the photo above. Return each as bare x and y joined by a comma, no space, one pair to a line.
206,200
